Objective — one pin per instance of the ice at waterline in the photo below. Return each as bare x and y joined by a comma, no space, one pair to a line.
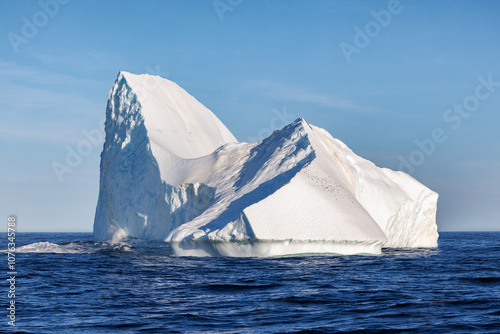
171,170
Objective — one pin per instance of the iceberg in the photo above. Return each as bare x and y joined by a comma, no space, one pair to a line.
171,170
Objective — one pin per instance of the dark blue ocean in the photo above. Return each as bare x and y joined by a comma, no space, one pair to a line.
66,283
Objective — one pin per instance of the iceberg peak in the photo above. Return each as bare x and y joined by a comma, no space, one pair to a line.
175,121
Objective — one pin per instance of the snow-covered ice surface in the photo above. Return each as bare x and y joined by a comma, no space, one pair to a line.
170,170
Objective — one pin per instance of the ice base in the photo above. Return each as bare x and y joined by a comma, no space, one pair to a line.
274,248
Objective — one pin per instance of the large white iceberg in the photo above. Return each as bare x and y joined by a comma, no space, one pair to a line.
170,170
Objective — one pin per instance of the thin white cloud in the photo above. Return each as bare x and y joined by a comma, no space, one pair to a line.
14,73
43,106
88,59
303,95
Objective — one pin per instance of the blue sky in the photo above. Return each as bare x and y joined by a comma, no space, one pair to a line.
257,65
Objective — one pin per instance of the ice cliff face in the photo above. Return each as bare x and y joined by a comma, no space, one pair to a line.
146,136
171,170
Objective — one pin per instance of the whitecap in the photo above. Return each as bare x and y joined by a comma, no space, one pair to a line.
48,247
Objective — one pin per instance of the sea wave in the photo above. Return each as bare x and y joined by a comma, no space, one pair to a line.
45,247
89,246
49,247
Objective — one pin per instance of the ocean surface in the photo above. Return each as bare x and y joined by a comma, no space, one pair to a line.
66,283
